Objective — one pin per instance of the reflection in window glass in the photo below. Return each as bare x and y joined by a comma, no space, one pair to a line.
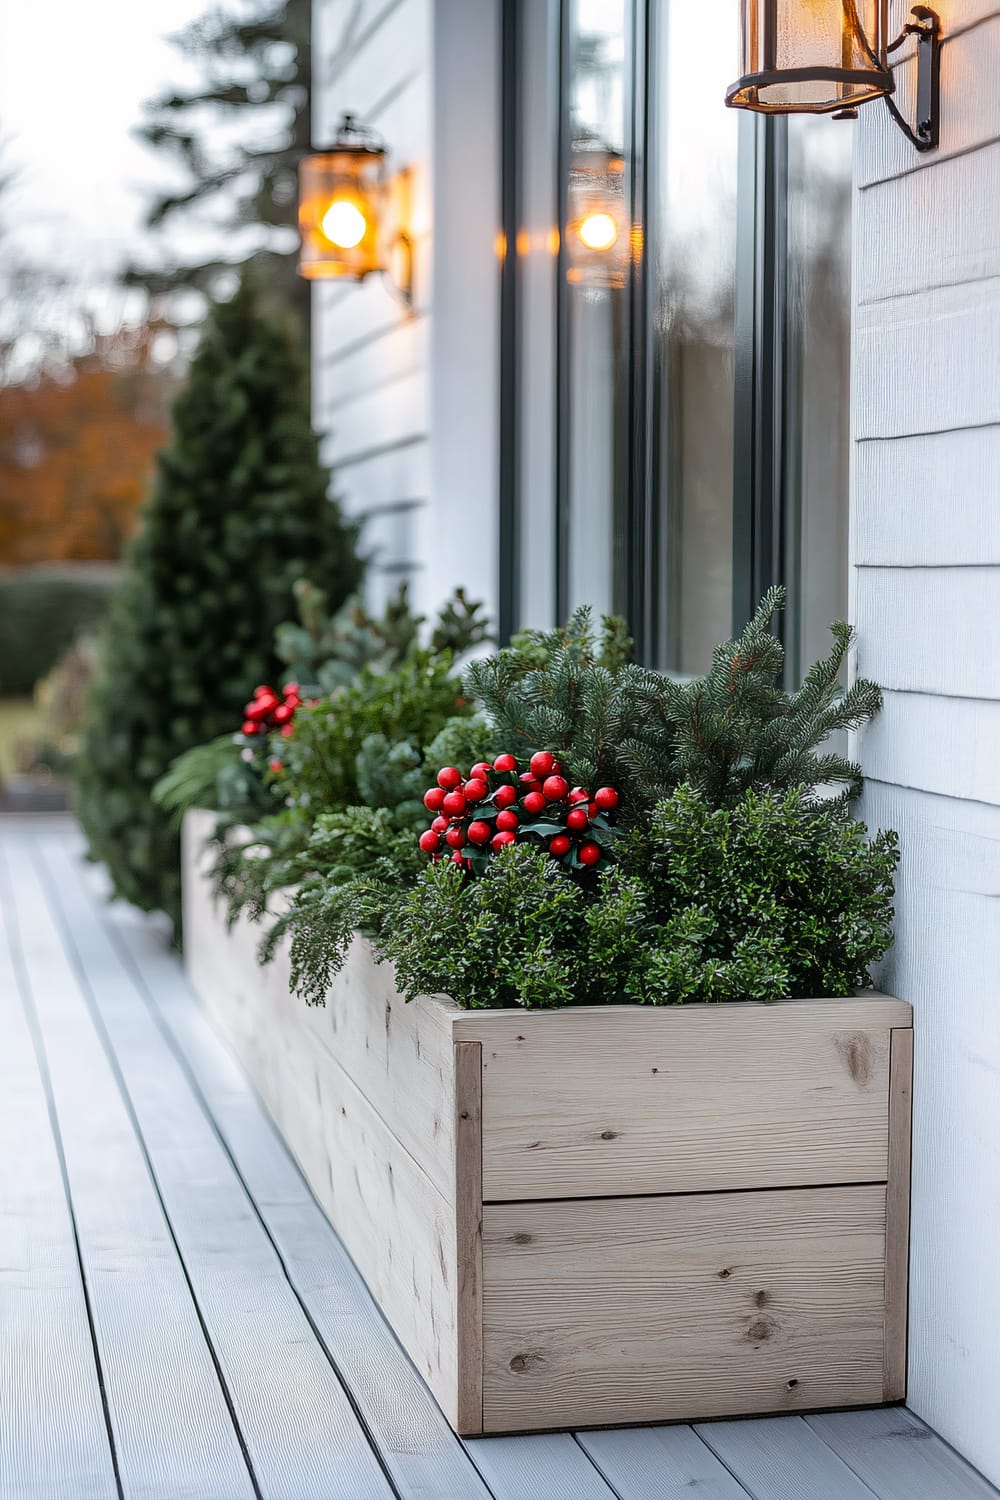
817,383
595,349
692,243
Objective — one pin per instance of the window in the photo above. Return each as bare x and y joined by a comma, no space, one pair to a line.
679,310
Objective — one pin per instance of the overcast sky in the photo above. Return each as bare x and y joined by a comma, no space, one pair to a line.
73,76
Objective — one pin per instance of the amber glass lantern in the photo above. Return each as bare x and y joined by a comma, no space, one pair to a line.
597,220
340,202
811,56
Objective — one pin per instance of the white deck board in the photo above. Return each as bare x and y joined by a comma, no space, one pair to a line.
303,1439
53,1435
205,1255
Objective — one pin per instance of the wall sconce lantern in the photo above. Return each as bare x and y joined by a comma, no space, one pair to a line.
598,231
819,56
344,203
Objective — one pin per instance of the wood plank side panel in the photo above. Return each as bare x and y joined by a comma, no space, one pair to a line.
624,1100
678,1308
897,1212
469,1233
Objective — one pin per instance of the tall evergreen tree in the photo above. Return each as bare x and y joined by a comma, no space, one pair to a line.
238,139
239,513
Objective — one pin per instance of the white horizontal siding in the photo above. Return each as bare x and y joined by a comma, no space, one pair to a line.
970,116
371,377
946,961
930,500
926,602
930,630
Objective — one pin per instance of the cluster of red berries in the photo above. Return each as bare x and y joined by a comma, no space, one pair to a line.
498,805
267,712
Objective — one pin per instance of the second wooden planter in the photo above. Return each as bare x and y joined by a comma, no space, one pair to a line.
599,1215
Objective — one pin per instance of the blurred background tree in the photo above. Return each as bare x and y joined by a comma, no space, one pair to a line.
236,140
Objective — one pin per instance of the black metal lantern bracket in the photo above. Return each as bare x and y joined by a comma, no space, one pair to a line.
925,25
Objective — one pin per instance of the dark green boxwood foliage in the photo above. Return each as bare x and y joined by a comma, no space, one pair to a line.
240,510
772,897
42,611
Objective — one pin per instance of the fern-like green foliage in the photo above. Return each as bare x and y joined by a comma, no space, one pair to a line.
736,728
326,652
731,730
214,776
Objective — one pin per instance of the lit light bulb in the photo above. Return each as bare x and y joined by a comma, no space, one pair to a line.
344,224
598,231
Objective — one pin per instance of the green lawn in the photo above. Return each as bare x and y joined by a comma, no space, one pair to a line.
19,721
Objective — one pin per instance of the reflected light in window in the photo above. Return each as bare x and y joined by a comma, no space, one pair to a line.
598,231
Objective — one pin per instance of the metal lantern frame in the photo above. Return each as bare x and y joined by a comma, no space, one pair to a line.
874,82
353,169
597,185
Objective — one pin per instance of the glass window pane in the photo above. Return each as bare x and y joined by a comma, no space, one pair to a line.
692,247
595,338
817,382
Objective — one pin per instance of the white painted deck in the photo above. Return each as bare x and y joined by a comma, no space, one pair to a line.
179,1322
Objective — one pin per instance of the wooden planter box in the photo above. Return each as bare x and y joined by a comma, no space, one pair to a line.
598,1215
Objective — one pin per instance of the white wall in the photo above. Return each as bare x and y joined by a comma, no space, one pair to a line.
406,398
926,602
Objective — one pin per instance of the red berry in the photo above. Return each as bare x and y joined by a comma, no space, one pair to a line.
261,689
481,768
249,727
593,809
589,854
475,789
257,710
505,762
534,803
504,796
434,799
430,842
287,731
453,804
507,820
606,798
458,858
555,788
542,763
293,702
529,783
439,824
501,839
291,690
449,777
577,819
455,837
559,845
283,713
479,832
275,764
579,794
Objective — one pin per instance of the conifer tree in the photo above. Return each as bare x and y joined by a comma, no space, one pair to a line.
239,511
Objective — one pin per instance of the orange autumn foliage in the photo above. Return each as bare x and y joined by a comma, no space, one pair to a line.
76,454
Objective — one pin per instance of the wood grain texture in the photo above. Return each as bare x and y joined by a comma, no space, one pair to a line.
659,1309
781,1458
552,1466
172,1427
302,1436
383,1195
899,1457
417,1446
53,1435
660,1463
621,1100
469,1233
897,1214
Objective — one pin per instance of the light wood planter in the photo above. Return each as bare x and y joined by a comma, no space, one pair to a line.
599,1215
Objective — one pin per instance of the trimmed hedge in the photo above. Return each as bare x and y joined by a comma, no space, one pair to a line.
42,610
